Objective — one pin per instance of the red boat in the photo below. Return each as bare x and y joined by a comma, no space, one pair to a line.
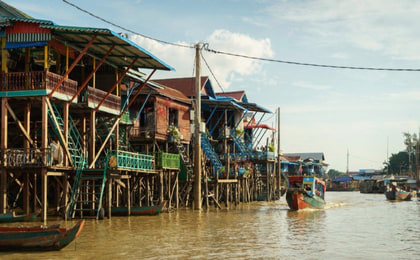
305,192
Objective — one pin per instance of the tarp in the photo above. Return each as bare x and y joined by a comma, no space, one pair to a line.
345,179
17,45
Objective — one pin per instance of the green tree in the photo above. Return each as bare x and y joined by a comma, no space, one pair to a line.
334,173
410,140
398,163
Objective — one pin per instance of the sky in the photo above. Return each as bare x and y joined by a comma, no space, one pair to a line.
362,113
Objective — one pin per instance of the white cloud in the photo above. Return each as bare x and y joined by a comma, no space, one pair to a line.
307,85
226,68
404,96
339,56
387,26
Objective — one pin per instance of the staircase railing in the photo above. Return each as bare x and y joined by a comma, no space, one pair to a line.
210,153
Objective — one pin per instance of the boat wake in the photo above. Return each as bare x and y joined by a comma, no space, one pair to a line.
333,205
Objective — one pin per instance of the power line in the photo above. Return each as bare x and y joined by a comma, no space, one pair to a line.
220,86
306,64
239,55
126,29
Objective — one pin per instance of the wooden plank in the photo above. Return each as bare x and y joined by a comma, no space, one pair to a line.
227,181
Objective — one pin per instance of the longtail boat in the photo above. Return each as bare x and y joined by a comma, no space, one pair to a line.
305,192
138,211
37,238
11,217
396,189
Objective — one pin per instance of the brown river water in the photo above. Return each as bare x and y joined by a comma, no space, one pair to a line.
352,226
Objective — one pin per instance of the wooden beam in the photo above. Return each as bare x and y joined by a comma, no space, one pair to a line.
72,66
3,55
138,93
116,84
22,128
44,188
44,128
104,143
27,124
91,75
66,147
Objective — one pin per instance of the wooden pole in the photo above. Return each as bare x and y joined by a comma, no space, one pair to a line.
197,122
3,146
66,111
278,151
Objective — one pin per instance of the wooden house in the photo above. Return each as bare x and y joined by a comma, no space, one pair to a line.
63,83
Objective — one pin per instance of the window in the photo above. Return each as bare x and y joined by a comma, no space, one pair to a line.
173,117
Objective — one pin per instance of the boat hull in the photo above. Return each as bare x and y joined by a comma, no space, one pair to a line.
37,238
398,195
9,218
298,199
138,211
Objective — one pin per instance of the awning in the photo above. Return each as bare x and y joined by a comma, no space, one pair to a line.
17,45
222,104
255,108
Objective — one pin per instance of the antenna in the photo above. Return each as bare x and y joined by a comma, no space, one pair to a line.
347,172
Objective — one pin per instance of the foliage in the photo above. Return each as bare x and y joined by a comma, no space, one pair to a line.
271,148
398,163
334,173
404,161
174,131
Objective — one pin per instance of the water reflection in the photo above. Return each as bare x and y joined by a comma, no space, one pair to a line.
354,226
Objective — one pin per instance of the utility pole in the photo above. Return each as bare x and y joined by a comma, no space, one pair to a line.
197,134
347,170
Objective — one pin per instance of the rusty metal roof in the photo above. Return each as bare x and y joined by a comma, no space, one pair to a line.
187,85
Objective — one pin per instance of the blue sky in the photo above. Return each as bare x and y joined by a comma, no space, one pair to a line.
322,109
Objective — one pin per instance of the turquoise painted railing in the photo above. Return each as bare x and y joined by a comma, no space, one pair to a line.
130,161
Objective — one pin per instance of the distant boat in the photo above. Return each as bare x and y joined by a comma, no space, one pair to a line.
305,192
138,211
396,189
11,217
37,238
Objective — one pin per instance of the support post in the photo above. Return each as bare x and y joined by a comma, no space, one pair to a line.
197,122
44,188
92,135
66,111
278,151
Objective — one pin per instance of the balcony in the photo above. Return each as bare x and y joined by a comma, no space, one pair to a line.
30,157
130,161
93,96
36,83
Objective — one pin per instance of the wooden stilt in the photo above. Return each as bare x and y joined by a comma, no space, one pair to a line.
128,197
109,197
3,147
44,189
66,130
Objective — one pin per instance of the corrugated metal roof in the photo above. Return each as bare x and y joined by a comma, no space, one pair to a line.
8,10
221,103
25,19
163,91
255,107
305,156
122,55
237,95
